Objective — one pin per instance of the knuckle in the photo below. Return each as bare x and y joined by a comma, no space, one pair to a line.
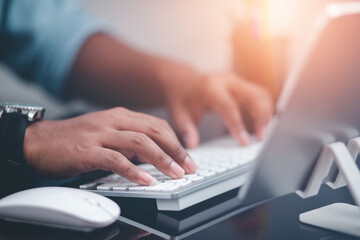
112,158
129,171
155,129
162,158
86,125
119,109
128,154
82,147
106,112
210,90
179,151
139,139
180,154
164,123
105,116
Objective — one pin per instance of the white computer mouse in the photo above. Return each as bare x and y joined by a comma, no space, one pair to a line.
60,207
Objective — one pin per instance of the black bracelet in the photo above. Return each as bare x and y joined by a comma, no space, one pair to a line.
12,134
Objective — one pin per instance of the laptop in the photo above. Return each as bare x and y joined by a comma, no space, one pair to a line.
317,107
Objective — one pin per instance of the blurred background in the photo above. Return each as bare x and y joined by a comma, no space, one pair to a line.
259,39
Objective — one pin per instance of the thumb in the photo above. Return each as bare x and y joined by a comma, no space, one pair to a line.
184,126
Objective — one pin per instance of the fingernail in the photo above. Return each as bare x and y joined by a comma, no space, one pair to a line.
244,137
190,164
147,178
177,170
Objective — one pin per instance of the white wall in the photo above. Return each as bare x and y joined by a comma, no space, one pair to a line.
197,32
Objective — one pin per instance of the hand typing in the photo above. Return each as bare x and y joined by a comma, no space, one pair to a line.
106,140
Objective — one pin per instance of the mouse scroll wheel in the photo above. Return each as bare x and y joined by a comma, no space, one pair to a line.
92,202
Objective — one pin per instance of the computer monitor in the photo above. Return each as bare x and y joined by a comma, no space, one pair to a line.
320,104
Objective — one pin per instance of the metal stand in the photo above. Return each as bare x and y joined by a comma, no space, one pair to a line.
339,216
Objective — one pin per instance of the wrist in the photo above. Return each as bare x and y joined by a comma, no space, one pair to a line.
14,120
173,76
30,143
166,69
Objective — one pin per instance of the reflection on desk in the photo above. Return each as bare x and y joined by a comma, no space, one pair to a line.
277,219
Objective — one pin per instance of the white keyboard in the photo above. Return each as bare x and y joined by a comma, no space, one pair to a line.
212,162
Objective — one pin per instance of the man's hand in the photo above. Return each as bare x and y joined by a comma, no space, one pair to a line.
127,77
189,95
106,140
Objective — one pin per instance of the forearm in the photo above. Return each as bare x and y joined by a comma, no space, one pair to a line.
109,72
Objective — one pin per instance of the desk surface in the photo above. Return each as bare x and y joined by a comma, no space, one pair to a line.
277,219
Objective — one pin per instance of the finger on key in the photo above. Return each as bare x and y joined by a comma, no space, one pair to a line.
171,145
110,160
162,134
229,110
145,149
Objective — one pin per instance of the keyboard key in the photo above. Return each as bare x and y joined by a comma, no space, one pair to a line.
183,184
201,171
220,170
152,188
196,179
123,186
231,165
120,188
175,180
159,187
169,189
137,188
155,172
207,173
215,169
89,186
187,176
163,178
105,186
